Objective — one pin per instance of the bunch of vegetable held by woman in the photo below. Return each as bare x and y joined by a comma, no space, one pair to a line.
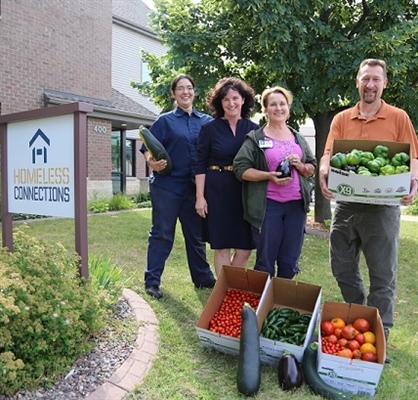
371,163
354,340
156,149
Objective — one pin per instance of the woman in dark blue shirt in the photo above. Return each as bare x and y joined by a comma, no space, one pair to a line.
173,195
218,196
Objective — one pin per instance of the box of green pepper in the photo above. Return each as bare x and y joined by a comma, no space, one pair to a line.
369,171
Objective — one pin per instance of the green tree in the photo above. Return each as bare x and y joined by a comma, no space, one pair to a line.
312,47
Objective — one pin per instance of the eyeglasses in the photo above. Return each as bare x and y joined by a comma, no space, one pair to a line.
184,89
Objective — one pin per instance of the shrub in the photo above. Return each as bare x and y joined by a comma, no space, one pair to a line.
117,202
98,205
47,312
121,202
142,200
413,208
105,275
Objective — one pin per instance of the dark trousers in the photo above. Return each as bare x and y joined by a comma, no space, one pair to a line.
374,230
167,207
280,239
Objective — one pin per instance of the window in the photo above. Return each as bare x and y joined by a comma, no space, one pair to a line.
116,152
145,73
130,157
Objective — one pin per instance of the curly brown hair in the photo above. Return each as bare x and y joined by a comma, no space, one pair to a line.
215,96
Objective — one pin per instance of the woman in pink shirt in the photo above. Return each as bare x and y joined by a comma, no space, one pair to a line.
276,203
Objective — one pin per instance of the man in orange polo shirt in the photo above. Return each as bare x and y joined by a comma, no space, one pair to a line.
372,229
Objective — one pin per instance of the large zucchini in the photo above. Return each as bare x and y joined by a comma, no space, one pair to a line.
156,149
248,374
314,381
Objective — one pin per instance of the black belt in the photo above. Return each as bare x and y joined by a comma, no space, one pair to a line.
221,168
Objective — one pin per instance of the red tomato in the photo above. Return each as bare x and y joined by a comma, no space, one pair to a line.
360,338
356,354
361,324
332,339
369,357
353,345
338,332
349,332
327,328
343,342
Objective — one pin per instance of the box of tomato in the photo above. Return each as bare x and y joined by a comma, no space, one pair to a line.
357,374
219,325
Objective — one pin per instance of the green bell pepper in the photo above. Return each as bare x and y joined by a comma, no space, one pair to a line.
381,151
382,161
374,166
400,159
366,156
363,171
401,169
388,170
339,160
354,157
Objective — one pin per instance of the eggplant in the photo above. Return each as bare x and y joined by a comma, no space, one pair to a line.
290,372
284,168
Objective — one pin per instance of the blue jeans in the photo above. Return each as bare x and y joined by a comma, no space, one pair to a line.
280,239
374,230
166,208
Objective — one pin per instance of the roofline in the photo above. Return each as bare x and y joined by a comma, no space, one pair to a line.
137,28
133,120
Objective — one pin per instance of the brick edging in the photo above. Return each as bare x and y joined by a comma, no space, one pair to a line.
133,371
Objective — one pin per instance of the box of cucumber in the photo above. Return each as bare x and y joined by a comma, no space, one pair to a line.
287,317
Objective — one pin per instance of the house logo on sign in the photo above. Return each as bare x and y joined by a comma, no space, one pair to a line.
39,150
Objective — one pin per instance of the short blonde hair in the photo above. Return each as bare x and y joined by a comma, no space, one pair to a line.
373,62
276,89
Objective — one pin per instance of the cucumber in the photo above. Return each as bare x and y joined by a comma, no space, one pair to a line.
286,312
249,371
156,149
314,381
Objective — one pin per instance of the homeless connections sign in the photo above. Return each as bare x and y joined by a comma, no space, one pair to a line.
41,166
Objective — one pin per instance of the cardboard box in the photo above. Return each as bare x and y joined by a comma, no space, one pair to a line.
229,278
285,293
355,376
351,187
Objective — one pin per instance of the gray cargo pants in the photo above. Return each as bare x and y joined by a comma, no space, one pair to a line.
374,230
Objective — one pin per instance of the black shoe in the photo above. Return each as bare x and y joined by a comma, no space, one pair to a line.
154,291
208,285
387,360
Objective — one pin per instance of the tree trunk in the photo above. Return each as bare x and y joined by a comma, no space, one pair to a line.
322,124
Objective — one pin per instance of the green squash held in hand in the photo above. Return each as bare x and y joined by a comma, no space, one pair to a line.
156,149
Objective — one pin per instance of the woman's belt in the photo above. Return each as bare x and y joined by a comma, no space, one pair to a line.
221,168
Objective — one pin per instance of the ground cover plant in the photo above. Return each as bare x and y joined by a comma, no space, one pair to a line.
183,369
47,312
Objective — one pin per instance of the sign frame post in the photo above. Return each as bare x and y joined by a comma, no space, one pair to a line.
79,111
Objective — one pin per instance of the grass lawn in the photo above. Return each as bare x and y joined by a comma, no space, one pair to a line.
183,369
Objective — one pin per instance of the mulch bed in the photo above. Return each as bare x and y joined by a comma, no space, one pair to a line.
316,228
